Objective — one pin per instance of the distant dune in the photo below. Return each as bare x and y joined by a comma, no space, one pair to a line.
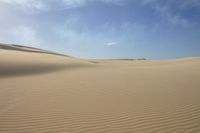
47,92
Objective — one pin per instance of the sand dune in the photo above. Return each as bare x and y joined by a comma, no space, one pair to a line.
44,92
29,60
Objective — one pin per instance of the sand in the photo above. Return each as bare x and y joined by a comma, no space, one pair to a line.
48,93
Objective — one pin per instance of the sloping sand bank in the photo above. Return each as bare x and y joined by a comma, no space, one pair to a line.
44,93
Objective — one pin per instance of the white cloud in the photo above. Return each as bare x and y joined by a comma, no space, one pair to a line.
111,43
28,6
24,35
34,6
24,3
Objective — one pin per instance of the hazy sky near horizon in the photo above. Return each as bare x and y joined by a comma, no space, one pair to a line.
155,29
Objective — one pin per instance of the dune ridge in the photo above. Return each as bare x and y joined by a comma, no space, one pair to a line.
43,93
27,49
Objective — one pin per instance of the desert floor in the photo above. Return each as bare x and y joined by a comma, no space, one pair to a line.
44,92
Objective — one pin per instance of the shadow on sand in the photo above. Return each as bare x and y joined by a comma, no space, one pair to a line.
33,69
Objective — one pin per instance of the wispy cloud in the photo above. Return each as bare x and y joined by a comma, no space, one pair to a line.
171,11
24,35
76,3
172,18
189,3
148,1
27,6
35,6
180,3
111,43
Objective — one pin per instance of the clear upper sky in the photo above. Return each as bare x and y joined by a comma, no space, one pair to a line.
155,29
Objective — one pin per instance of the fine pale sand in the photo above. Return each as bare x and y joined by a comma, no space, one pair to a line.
45,92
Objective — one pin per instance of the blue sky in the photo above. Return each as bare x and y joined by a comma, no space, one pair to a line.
154,29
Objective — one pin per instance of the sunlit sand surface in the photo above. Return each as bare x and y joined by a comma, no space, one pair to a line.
44,92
